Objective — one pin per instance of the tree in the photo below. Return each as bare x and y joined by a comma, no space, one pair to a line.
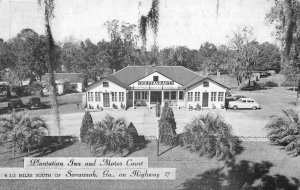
268,57
22,132
285,16
31,53
284,130
245,54
209,135
167,127
87,127
48,6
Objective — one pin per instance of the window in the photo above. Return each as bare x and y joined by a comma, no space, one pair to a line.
167,95
180,95
97,97
121,96
213,96
205,84
144,95
197,96
190,97
173,95
105,84
137,95
90,96
114,96
220,96
155,78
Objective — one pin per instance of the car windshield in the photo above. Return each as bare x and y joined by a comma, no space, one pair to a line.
35,99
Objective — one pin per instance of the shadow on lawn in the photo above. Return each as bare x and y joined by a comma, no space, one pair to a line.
244,175
51,144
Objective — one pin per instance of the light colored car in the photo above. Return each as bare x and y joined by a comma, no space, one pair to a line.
244,103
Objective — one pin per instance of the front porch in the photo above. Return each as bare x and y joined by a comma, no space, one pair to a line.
149,98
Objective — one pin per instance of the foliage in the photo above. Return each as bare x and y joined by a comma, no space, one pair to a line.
246,54
112,135
284,130
151,20
87,127
209,135
271,84
255,86
167,127
22,132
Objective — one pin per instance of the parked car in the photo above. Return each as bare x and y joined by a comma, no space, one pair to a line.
244,103
232,98
15,104
34,102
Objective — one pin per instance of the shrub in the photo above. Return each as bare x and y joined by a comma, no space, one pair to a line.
112,135
209,135
115,106
271,84
86,127
284,130
167,127
256,86
22,132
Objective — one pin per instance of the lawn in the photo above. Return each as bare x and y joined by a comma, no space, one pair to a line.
190,166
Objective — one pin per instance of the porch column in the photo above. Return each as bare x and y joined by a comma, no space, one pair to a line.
149,99
162,97
177,98
133,97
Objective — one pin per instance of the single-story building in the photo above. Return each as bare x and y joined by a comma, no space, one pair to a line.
67,82
146,85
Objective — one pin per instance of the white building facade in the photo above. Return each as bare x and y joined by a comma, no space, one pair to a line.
136,86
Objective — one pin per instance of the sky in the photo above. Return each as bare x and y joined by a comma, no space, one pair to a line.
182,22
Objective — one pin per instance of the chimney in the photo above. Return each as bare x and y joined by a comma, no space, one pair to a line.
114,70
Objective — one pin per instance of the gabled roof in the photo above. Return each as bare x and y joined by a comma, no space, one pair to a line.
200,79
65,77
110,78
131,74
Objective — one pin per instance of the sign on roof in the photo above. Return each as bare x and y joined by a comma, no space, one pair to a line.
155,83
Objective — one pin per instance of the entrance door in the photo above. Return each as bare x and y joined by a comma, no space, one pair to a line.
155,97
106,100
205,99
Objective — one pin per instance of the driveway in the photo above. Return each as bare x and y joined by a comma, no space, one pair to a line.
146,123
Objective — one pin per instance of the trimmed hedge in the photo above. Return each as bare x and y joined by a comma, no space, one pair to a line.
167,127
271,84
86,127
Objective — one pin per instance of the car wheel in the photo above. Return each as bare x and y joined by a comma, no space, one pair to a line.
235,107
254,107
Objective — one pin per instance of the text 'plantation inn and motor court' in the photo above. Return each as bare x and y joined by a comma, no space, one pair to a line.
135,86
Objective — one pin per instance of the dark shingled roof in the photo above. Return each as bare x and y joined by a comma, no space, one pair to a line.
131,74
199,79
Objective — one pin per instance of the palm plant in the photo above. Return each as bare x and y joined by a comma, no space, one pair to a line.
210,135
22,132
111,135
48,6
284,130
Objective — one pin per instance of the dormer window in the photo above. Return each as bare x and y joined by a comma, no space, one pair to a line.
155,78
105,84
205,84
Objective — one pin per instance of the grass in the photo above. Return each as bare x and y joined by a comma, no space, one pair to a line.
188,165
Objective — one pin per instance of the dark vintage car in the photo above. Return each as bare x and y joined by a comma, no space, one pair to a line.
34,102
232,98
15,104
